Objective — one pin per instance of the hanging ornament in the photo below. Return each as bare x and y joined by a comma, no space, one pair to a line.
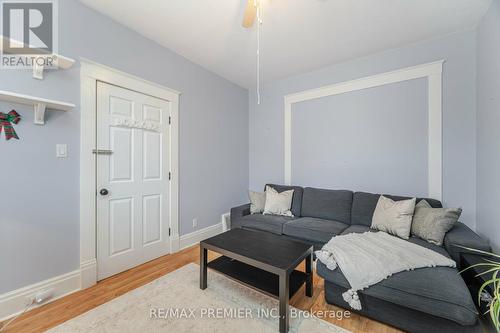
6,121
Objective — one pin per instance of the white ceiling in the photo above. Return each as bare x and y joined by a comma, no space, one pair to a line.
297,35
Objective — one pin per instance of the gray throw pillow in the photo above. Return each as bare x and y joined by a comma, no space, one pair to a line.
394,217
432,224
257,201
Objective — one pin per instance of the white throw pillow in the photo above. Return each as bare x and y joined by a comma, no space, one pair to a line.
278,203
394,217
257,201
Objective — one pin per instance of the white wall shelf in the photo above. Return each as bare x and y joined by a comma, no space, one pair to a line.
62,61
40,105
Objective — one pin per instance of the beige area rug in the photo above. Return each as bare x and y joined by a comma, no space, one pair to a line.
177,304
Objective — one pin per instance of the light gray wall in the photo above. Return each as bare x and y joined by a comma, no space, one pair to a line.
39,200
488,122
459,118
348,140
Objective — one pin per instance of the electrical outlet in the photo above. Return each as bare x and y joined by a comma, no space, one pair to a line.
195,222
41,296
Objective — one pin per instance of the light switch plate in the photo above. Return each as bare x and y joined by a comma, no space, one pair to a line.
62,150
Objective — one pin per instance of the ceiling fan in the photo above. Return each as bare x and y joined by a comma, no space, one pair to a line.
250,13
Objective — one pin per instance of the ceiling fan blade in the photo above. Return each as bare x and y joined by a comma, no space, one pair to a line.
250,13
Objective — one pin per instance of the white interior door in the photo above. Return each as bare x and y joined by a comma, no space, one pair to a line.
132,179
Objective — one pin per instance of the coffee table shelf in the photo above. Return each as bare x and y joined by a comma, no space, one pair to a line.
262,280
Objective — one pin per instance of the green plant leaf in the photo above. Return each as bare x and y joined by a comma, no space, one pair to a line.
479,251
488,271
492,262
476,265
494,313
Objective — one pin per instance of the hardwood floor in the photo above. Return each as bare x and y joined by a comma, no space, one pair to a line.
55,313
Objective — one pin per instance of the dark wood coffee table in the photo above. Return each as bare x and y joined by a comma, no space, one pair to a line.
262,260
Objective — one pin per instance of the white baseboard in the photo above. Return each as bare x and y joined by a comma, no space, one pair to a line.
195,237
15,301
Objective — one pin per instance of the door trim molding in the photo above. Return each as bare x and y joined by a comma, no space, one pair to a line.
432,71
90,73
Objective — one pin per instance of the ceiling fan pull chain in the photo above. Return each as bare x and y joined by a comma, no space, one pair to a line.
259,23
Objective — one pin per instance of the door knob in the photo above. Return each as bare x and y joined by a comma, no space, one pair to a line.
103,191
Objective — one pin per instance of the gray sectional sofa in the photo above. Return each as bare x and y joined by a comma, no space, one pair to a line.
424,300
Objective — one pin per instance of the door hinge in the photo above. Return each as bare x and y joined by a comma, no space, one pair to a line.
169,120
169,231
169,175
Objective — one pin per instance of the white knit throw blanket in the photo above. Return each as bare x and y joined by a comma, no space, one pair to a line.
368,258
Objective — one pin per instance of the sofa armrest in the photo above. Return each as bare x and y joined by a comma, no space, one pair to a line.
237,213
462,235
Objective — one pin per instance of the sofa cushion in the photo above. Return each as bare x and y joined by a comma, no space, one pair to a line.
327,204
297,196
357,229
313,229
316,245
401,317
270,223
438,291
363,206
433,202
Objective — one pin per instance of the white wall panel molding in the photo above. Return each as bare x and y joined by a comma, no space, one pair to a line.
432,71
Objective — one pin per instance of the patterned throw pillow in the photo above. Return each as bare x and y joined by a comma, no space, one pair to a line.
394,217
257,201
432,224
278,203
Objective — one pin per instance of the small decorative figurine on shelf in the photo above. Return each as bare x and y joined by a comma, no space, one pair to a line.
6,121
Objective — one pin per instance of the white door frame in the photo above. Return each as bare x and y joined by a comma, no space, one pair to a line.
90,74
431,71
